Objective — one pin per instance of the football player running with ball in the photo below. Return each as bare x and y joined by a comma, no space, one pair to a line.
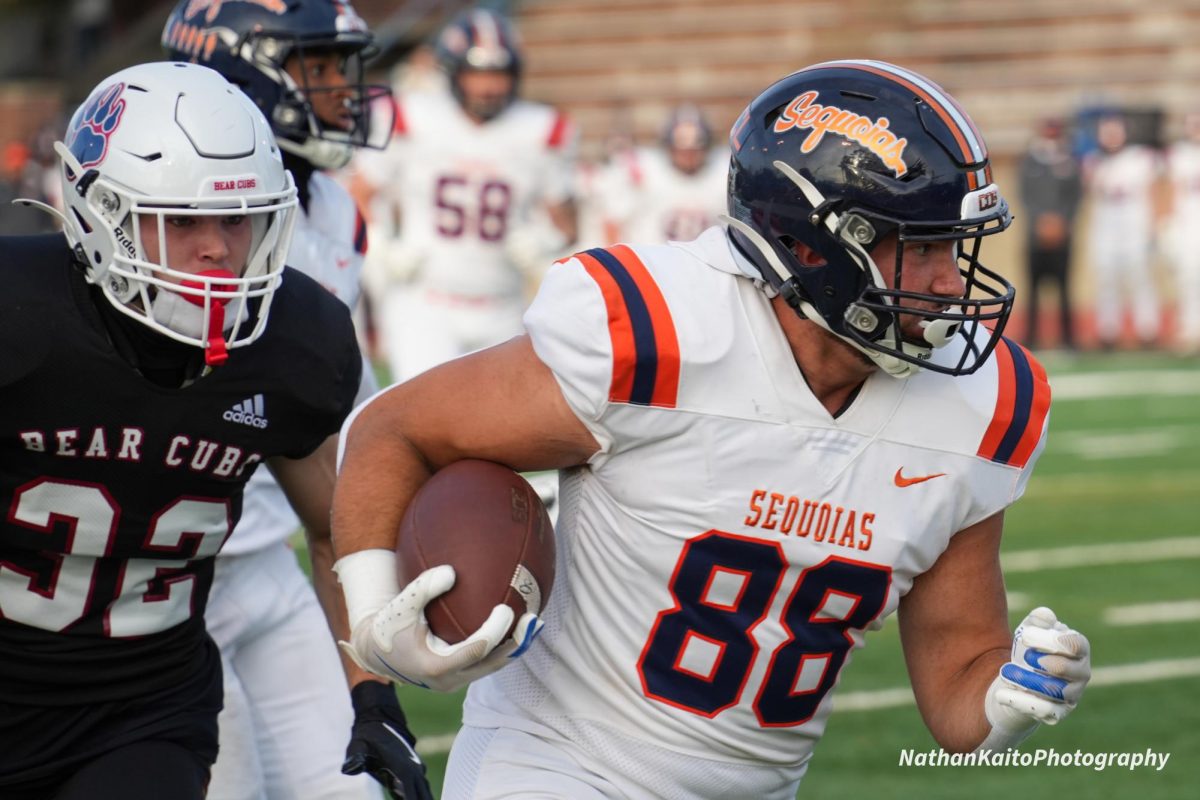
772,438
161,353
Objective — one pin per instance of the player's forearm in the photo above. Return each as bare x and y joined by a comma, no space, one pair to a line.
380,472
956,715
333,604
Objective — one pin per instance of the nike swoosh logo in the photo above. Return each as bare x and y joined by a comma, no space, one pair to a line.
412,754
902,481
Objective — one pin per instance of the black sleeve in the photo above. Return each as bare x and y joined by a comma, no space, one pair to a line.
323,368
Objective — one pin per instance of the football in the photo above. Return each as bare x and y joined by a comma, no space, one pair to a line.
489,524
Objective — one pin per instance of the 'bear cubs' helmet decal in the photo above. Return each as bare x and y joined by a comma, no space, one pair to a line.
249,41
159,146
479,39
842,154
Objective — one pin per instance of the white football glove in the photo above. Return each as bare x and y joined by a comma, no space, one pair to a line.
395,642
1042,682
532,248
394,259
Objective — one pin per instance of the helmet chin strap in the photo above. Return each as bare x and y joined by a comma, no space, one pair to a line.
321,153
939,332
186,313
936,332
888,363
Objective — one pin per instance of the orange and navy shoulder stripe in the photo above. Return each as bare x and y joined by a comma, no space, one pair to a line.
645,346
1022,403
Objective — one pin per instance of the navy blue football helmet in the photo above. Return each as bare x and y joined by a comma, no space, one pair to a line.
479,39
687,137
839,156
249,43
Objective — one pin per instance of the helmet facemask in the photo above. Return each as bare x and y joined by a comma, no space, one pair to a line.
876,320
168,140
483,107
300,129
480,40
215,310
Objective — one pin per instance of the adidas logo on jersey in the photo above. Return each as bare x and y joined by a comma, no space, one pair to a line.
248,412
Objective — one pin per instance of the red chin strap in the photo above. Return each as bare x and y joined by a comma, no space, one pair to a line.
215,351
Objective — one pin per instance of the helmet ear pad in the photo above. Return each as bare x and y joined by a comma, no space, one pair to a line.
828,287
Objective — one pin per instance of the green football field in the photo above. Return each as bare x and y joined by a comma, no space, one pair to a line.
1108,536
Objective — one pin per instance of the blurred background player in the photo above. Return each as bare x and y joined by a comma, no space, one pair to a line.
673,192
287,711
601,181
1183,169
1050,189
480,182
1120,179
142,340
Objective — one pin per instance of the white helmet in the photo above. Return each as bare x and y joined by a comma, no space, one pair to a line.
166,140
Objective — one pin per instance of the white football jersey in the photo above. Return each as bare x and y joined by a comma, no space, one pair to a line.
658,203
1121,189
1183,167
724,552
328,245
461,188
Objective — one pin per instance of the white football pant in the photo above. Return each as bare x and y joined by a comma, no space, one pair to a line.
1121,260
422,328
287,715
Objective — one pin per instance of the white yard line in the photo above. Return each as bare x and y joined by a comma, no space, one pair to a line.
1125,383
1108,445
1116,675
1176,611
1019,600
1099,554
1139,486
435,745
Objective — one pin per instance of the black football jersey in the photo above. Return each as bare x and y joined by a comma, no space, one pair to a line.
118,492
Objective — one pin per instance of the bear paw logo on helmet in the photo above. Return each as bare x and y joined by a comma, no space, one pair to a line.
98,122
